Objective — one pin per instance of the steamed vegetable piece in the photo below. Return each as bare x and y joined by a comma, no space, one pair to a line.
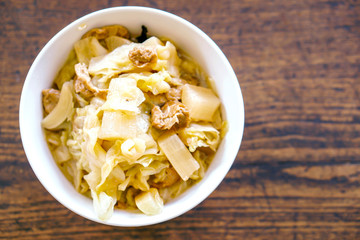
200,135
123,95
118,125
103,205
63,109
156,83
67,72
178,155
133,148
168,56
113,63
149,202
88,48
113,42
201,101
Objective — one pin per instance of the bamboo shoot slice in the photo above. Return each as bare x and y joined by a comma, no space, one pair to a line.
149,202
201,102
62,110
178,155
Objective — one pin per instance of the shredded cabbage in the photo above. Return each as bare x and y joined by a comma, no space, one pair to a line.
156,83
103,205
200,135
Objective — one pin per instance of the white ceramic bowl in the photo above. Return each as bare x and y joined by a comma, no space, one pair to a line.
159,23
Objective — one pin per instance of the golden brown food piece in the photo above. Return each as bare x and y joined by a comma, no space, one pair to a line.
107,31
172,114
142,56
50,99
174,94
83,85
171,177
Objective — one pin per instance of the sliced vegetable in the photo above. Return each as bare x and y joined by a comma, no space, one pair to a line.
200,135
103,205
67,72
201,102
88,48
62,110
118,125
113,42
149,202
123,95
178,155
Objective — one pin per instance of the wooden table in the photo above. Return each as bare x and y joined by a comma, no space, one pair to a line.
297,174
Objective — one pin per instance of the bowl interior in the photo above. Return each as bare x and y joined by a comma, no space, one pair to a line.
159,23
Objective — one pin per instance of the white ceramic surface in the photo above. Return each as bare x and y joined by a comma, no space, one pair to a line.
159,23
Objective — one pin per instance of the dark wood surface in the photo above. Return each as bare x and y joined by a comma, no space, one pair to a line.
297,174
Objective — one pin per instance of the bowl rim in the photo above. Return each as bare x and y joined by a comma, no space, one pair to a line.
25,139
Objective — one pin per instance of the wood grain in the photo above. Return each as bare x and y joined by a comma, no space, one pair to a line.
297,174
